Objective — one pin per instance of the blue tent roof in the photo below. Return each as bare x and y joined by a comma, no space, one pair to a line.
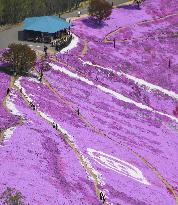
49,24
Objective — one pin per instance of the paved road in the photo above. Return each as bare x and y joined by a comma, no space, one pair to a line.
85,10
11,35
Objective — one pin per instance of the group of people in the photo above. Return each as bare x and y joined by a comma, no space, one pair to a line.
61,43
32,106
39,39
55,126
102,197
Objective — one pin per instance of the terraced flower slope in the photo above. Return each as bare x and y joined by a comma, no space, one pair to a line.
105,117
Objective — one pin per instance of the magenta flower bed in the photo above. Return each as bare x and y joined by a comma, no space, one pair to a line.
42,166
110,115
148,57
121,84
114,136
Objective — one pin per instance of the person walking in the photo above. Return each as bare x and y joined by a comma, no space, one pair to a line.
169,63
41,76
114,42
8,91
102,197
45,50
33,107
79,13
78,111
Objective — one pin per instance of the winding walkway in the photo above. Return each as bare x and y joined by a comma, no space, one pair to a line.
107,37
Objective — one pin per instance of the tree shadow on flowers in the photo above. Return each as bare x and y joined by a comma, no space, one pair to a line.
5,68
129,7
90,22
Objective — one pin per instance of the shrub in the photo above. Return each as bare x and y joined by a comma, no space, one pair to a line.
21,57
99,10
12,197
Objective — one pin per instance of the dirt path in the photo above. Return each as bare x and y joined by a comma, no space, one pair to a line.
107,40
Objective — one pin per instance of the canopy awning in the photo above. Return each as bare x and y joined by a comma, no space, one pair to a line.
45,24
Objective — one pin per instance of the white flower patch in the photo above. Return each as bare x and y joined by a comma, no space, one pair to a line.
49,119
97,174
11,106
150,86
69,73
72,45
95,65
17,83
34,80
8,133
136,80
111,92
99,177
117,165
139,105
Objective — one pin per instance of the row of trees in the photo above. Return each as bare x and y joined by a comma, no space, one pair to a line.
13,11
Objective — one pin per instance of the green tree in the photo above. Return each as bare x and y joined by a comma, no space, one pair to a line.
99,10
21,57
12,197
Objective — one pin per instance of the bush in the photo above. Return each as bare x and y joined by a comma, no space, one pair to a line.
12,197
21,57
99,10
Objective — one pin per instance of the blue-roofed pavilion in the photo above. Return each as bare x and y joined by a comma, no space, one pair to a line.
45,24
45,29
